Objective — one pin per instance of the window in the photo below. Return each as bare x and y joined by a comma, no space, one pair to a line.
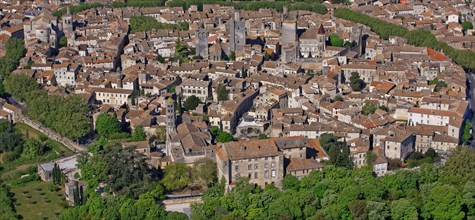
273,173
249,167
266,174
266,165
256,166
273,165
255,175
236,168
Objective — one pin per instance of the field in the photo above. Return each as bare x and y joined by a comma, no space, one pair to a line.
35,200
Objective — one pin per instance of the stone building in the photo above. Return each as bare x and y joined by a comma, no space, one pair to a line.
201,40
312,42
237,33
259,160
43,27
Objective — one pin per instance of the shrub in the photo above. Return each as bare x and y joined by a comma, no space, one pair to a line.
32,170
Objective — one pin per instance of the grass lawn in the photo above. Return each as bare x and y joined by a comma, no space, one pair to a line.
35,200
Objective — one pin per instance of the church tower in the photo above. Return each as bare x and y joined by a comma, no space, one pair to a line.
321,40
171,117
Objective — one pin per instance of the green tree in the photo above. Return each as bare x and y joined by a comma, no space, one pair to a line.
224,137
403,209
467,131
177,176
336,41
443,202
369,108
10,139
338,99
204,172
467,25
20,86
262,136
63,41
139,134
107,124
222,92
232,56
459,168
191,103
355,82
160,59
290,182
358,209
130,179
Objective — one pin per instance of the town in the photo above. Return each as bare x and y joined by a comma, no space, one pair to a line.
202,109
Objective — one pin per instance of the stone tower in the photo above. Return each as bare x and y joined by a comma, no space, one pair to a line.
321,40
289,28
67,23
171,117
201,40
237,32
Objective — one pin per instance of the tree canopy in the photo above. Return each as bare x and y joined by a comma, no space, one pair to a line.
336,41
21,86
139,134
222,92
356,83
107,125
467,25
146,23
369,108
340,193
467,131
191,103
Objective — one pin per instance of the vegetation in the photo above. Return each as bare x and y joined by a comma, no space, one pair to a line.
21,86
369,108
36,200
15,51
467,131
191,103
63,41
139,134
356,83
338,98
107,124
336,41
262,136
7,210
417,37
467,25
339,193
177,176
417,159
130,179
146,23
338,151
439,84
222,92
314,6
220,135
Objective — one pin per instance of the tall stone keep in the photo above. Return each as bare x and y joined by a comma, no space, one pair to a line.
289,28
67,22
201,40
171,117
237,31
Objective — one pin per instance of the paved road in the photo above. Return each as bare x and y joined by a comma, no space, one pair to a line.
183,208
